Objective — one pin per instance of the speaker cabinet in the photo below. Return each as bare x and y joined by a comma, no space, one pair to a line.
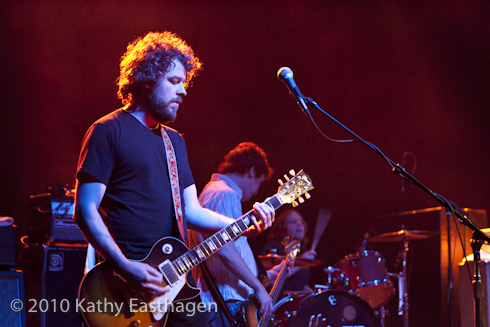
11,292
428,264
466,291
53,274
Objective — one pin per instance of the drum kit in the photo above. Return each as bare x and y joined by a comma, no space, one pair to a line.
358,288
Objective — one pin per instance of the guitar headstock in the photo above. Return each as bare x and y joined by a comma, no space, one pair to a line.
292,248
296,186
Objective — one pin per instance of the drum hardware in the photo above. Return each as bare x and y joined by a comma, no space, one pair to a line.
404,236
381,313
330,270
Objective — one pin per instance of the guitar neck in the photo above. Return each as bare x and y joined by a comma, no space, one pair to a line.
214,243
281,278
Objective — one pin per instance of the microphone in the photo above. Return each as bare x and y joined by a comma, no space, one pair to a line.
285,75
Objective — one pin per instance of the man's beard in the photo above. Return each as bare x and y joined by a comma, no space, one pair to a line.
159,109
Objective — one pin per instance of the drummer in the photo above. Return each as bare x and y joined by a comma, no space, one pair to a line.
291,222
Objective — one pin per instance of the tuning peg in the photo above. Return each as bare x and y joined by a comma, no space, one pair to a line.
286,178
280,182
307,195
295,204
301,200
292,172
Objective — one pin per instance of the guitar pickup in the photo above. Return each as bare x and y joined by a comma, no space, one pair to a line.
168,271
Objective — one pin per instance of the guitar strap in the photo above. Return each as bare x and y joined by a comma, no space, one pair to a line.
174,183
262,272
218,298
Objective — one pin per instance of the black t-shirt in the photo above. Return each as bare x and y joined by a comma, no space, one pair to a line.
130,159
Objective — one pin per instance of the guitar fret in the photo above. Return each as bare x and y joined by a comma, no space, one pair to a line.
199,253
212,246
177,267
188,261
235,229
245,222
206,247
226,236
184,263
274,202
194,258
231,232
216,237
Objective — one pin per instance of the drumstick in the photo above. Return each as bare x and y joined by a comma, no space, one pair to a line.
321,223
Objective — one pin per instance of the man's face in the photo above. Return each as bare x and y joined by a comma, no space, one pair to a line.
165,96
252,187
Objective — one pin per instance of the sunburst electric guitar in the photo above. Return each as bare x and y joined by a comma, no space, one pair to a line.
106,299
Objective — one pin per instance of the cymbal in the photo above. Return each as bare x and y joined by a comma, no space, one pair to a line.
270,260
402,235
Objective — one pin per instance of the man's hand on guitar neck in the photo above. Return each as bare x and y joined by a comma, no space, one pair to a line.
265,214
143,278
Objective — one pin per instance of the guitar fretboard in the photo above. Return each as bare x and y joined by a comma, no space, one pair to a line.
211,245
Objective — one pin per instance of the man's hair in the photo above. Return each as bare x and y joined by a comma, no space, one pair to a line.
150,56
245,156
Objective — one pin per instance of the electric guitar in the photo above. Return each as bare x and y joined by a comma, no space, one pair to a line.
247,315
106,299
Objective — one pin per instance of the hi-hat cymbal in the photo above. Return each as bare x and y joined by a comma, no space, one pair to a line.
402,235
270,260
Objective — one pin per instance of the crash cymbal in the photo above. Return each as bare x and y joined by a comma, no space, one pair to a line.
270,260
402,235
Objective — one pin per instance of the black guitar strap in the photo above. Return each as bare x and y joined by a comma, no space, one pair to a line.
262,277
218,298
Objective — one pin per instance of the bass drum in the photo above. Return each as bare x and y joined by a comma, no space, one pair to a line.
339,308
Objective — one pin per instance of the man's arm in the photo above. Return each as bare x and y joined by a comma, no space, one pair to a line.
87,216
207,221
234,262
229,255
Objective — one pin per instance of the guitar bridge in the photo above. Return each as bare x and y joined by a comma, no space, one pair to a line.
168,271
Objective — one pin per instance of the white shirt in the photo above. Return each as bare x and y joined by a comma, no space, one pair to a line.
222,195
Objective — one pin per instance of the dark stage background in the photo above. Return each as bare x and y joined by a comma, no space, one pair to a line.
405,75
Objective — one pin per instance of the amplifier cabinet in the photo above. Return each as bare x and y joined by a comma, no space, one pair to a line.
50,219
11,292
8,245
53,274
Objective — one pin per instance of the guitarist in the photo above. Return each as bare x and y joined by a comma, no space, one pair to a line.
125,199
234,267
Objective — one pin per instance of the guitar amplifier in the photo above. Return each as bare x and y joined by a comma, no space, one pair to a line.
50,219
52,276
8,244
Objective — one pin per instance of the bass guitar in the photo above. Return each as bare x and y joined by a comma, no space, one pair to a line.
106,299
247,315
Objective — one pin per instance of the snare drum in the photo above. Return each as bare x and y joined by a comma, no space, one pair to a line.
364,274
339,308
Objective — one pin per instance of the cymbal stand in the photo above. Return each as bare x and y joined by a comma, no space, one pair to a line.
403,286
404,282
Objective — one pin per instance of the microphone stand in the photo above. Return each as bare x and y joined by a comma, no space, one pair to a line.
478,235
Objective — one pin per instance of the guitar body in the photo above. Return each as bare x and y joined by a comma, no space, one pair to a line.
248,314
106,299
